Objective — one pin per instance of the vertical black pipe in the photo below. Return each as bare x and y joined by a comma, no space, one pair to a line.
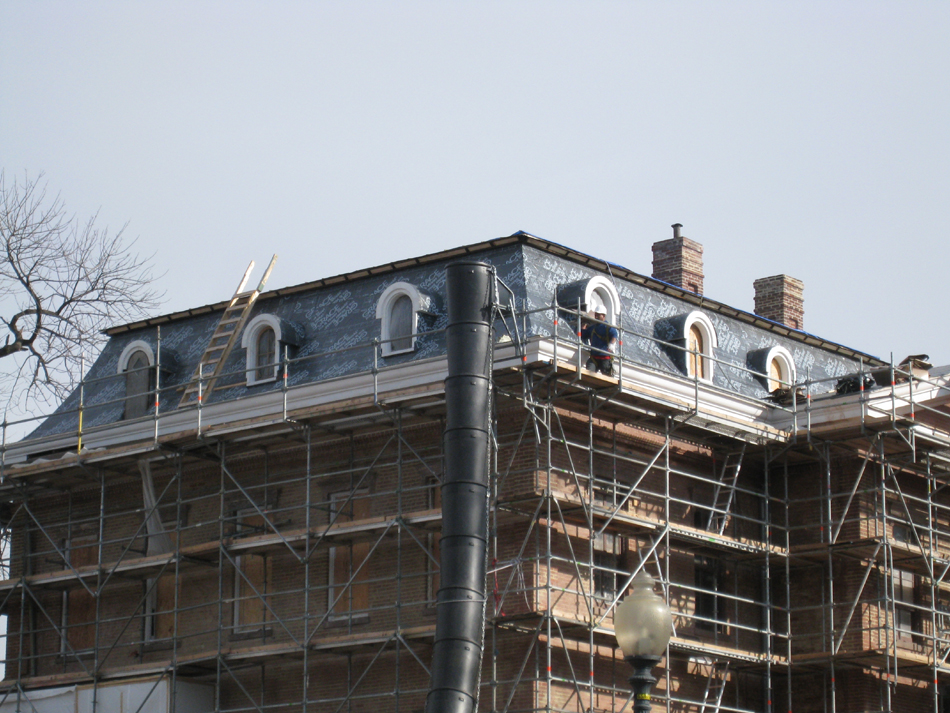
460,609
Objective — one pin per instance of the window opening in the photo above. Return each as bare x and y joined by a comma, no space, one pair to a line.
608,554
80,604
779,369
400,324
252,572
904,602
398,310
263,340
699,342
598,302
160,602
600,295
139,382
708,603
344,600
266,355
901,533
945,698
775,375
697,349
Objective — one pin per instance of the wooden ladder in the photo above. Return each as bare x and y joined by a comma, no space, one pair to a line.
224,337
725,491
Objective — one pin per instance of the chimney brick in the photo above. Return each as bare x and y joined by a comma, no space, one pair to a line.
679,261
779,298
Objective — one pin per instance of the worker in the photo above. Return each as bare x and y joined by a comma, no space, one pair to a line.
603,340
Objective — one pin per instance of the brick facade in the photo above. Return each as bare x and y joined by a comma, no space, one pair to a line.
305,547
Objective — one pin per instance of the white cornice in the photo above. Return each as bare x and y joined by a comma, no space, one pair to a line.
426,376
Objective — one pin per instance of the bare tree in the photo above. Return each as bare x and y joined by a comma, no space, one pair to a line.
62,281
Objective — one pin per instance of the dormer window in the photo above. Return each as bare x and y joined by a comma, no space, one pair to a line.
774,368
600,295
696,346
780,369
135,362
398,310
401,327
263,340
700,339
266,355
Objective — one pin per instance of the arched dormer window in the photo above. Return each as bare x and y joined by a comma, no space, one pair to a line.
266,354
136,362
699,336
600,295
398,310
780,369
262,340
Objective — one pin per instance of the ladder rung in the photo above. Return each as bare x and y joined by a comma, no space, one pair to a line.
223,336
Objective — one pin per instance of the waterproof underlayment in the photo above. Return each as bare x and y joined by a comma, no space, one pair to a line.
335,327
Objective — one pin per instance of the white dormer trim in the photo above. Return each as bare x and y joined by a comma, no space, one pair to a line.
710,342
137,346
249,340
384,308
786,366
596,289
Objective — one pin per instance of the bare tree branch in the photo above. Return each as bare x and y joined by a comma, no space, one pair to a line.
62,282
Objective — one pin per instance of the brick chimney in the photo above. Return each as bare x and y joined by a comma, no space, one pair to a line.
779,298
679,261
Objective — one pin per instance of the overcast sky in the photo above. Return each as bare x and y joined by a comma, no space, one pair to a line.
809,138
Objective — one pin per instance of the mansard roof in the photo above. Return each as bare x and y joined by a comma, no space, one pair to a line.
334,324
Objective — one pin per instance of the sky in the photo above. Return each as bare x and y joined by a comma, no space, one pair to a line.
805,138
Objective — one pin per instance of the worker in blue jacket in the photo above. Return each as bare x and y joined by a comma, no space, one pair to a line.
603,340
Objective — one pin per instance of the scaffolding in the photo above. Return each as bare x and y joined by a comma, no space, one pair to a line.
289,560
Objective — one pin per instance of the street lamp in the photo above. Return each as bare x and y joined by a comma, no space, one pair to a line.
642,625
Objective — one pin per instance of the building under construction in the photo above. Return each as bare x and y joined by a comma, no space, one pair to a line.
241,507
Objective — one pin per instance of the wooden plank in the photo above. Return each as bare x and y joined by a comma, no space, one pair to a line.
191,555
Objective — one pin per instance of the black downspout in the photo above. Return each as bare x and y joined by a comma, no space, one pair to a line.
460,609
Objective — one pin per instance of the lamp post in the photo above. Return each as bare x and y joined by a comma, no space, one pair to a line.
642,625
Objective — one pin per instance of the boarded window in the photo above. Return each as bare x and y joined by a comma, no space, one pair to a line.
251,578
346,561
161,602
775,375
80,604
696,346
